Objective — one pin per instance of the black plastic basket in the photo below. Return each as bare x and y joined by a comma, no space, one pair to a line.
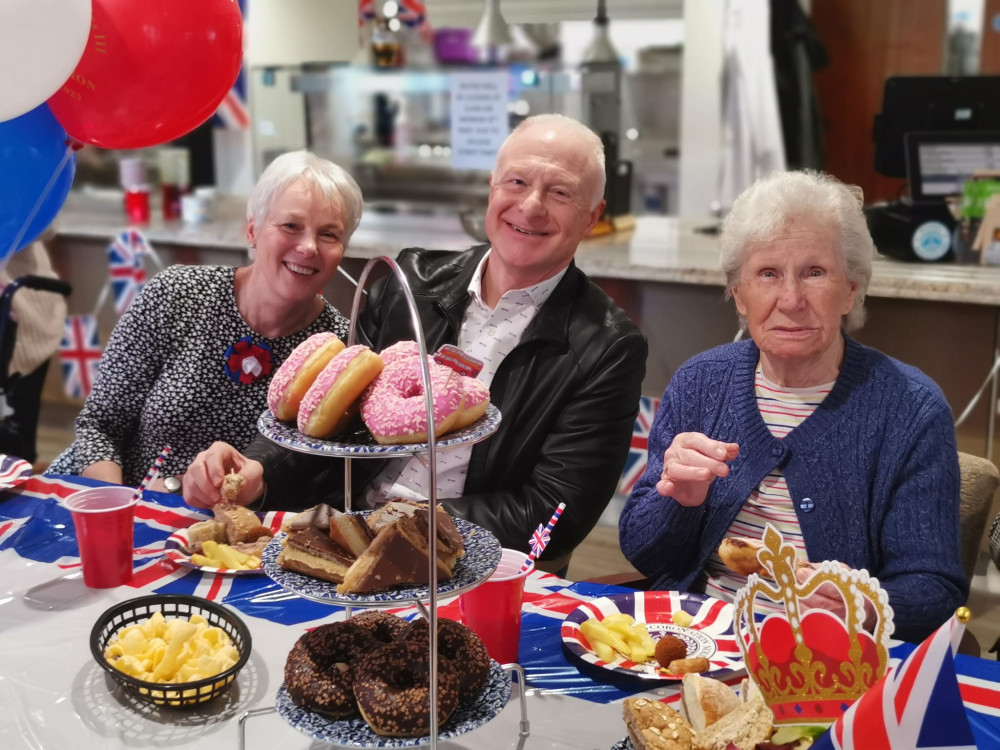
181,694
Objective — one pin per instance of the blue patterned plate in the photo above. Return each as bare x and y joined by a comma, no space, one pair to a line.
623,744
482,555
709,635
357,733
361,443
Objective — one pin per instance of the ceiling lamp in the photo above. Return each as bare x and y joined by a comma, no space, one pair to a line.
491,31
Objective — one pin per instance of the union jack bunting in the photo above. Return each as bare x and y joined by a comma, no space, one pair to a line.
232,112
916,705
539,539
80,353
125,267
638,451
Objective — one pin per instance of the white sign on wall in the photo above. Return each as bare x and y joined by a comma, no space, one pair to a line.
479,121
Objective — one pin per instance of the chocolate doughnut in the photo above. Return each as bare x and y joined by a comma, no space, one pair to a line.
462,646
382,626
392,688
319,670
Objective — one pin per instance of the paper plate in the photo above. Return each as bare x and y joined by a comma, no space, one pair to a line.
710,634
177,549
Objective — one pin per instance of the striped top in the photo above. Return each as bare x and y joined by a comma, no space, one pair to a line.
782,409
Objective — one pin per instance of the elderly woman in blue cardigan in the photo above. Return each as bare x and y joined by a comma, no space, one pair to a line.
849,453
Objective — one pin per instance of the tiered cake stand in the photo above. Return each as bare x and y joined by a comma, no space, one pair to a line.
482,555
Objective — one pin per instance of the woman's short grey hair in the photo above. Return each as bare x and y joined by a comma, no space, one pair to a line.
333,181
764,212
594,145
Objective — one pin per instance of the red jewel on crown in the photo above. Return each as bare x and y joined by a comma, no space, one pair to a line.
247,361
811,664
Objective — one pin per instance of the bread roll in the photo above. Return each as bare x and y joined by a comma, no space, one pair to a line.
741,728
242,525
705,700
652,725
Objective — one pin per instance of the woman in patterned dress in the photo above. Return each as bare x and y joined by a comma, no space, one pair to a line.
849,453
190,361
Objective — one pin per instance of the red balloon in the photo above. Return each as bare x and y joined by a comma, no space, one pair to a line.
151,71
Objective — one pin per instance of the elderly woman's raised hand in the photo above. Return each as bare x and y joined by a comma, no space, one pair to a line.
691,464
202,482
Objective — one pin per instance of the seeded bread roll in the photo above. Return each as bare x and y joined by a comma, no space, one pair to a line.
652,725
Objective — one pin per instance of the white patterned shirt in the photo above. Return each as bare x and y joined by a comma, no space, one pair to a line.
782,409
489,335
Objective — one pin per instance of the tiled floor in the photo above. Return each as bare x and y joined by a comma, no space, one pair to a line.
600,555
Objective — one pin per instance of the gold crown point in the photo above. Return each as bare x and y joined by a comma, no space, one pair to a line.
963,615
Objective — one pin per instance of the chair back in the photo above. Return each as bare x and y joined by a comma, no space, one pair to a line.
980,480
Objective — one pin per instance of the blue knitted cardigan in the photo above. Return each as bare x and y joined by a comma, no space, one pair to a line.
873,476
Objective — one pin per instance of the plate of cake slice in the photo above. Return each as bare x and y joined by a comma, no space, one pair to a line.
380,557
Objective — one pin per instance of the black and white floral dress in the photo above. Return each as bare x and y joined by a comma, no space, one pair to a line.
163,377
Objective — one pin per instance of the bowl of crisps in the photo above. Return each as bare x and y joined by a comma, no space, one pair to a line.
172,649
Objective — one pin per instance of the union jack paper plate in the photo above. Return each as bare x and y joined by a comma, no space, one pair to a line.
178,549
709,635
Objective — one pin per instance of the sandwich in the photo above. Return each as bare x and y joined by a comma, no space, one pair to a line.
653,725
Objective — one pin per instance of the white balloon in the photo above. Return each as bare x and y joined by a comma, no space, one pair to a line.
41,42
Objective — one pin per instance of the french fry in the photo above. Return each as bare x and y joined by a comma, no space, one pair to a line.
621,633
597,631
604,651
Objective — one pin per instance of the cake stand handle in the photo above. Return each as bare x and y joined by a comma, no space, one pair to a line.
246,715
425,373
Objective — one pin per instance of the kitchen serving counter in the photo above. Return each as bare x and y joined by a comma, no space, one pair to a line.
660,249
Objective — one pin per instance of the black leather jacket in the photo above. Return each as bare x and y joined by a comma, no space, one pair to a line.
568,394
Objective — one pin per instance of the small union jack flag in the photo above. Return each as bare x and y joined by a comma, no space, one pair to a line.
638,451
232,112
125,267
80,352
539,539
916,705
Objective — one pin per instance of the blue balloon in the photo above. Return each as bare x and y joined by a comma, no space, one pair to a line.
34,156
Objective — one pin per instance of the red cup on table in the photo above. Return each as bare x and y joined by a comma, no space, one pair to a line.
103,518
493,608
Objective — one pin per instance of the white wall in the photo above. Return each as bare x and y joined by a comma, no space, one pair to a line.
701,107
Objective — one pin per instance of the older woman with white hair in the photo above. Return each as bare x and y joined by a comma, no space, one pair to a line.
190,361
849,453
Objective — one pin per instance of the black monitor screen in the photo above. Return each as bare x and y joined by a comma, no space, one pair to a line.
939,104
940,163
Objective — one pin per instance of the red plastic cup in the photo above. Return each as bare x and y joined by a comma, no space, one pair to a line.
103,518
493,608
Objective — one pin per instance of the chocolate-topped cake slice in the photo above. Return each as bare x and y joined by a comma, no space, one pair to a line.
398,556
350,531
450,548
311,551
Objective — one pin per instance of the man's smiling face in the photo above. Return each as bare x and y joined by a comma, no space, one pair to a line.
542,202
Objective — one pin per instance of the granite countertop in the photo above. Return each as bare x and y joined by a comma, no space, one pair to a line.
659,249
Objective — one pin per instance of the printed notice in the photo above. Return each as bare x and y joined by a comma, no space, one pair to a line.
479,120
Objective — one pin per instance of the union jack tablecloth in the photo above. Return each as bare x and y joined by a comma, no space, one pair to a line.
35,527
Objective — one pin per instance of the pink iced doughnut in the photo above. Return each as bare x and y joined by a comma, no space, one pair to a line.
330,401
399,350
298,372
393,408
477,399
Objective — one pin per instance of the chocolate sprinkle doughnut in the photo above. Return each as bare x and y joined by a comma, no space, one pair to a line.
382,626
461,645
319,670
392,688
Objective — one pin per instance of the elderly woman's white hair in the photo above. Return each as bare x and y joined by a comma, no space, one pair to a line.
765,210
332,180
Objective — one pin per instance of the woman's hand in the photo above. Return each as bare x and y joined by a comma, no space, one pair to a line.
691,464
105,471
828,597
202,482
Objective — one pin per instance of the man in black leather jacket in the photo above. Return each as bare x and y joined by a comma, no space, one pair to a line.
568,391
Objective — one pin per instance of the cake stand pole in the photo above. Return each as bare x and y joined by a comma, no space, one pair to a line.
425,373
